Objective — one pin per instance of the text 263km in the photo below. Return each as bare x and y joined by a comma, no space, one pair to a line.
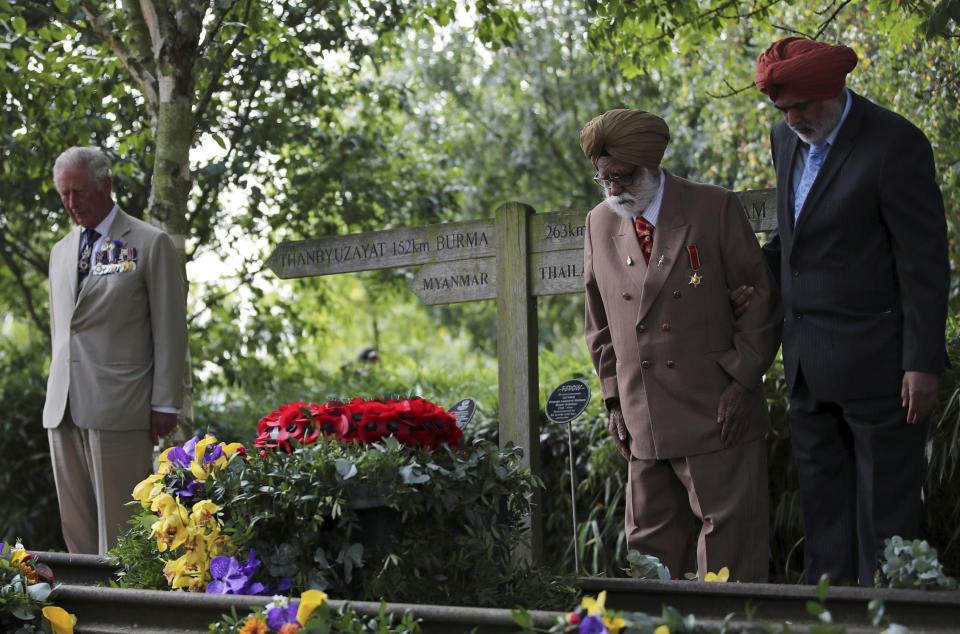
561,231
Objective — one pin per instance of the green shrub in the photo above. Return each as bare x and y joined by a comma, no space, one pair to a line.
375,522
29,509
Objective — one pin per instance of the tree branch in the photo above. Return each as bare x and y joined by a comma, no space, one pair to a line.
107,33
216,71
42,325
829,20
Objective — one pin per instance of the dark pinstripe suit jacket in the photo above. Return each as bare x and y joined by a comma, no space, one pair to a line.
864,274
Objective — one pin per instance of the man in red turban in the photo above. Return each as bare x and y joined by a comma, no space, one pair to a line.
680,373
861,255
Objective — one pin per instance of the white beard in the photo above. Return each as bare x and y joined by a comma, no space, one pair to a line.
631,204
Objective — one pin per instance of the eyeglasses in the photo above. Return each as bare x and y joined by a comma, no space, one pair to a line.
617,179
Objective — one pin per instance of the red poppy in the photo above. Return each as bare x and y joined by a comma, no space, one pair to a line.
414,422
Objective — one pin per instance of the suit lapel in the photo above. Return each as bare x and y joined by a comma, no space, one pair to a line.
628,250
786,160
842,146
69,264
668,243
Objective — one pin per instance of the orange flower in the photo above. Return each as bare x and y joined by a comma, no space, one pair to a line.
253,625
288,628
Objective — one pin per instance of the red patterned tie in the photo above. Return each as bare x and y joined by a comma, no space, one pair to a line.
645,235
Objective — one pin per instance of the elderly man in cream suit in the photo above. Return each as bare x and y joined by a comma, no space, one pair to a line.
679,371
119,335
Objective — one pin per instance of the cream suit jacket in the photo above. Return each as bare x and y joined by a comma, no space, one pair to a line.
119,346
667,348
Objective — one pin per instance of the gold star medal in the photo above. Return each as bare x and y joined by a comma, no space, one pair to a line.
695,277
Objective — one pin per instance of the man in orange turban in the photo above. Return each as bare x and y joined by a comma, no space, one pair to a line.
680,373
861,254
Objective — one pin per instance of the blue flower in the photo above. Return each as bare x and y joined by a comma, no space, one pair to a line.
593,624
280,616
232,577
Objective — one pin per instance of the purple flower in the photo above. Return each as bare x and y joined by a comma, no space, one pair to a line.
278,617
232,577
593,625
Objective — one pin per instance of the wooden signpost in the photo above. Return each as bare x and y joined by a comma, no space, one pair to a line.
513,258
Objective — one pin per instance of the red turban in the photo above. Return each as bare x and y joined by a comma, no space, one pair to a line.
636,137
804,69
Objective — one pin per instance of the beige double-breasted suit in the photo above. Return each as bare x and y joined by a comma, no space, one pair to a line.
667,349
118,351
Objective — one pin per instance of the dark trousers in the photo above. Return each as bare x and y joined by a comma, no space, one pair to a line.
860,467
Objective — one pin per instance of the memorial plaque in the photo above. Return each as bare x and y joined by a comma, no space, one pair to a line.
464,409
568,401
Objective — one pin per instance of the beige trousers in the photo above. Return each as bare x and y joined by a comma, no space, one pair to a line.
713,505
95,472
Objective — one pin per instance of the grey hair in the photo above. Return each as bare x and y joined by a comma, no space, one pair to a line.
98,167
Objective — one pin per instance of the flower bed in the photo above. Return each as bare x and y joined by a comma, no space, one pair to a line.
367,500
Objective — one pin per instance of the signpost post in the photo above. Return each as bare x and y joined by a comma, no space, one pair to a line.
514,258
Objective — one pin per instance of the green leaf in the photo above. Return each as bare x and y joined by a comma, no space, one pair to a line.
815,609
823,586
61,5
345,468
19,25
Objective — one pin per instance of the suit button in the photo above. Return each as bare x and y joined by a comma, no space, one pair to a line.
796,273
671,364
645,364
627,296
798,316
665,327
676,294
642,328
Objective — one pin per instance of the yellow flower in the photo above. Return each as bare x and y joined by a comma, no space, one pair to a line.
594,607
171,531
188,571
18,556
61,621
720,577
148,489
614,624
309,601
203,512
232,448
200,449
218,544
663,629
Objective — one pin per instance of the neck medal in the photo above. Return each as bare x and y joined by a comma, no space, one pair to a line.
695,277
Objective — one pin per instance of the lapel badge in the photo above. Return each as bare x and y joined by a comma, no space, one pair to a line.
661,260
629,261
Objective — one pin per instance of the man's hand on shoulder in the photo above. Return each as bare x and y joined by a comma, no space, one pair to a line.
919,393
618,431
740,299
732,414
161,424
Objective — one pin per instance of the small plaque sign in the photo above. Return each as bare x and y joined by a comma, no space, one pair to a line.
464,409
568,401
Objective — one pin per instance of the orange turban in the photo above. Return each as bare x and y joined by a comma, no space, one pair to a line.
636,137
804,69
